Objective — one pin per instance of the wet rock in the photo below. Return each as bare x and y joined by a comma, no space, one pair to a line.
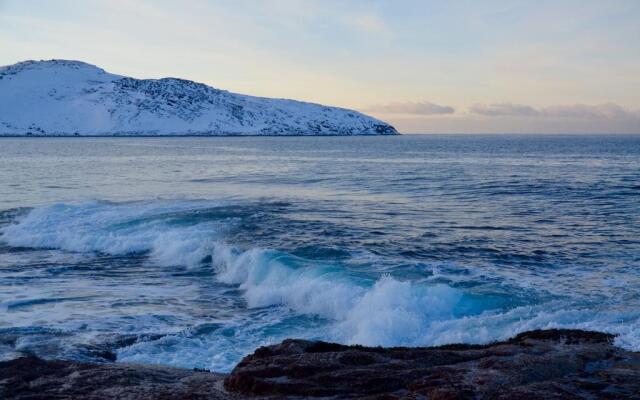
548,364
34,379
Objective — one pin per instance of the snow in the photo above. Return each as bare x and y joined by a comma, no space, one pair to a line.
60,97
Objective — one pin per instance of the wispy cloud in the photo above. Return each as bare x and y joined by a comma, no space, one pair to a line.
411,107
503,109
368,23
604,111
573,111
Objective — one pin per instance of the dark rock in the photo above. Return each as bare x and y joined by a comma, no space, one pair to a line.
546,364
34,379
549,364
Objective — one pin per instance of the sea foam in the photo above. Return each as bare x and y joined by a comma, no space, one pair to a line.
354,306
163,229
384,312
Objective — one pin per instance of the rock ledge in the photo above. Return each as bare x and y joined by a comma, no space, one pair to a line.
547,364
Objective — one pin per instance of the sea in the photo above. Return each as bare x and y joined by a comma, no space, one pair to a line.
194,251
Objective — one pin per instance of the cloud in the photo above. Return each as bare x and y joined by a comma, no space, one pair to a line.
410,107
503,109
368,23
607,111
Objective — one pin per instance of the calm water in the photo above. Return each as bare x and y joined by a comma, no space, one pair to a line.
194,251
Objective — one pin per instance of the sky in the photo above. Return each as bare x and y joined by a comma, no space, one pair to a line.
425,66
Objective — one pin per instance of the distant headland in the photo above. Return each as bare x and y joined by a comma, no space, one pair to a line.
73,98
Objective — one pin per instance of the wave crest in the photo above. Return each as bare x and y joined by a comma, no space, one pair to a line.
166,231
383,312
363,307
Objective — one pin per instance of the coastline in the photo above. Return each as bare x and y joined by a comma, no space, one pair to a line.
193,135
538,364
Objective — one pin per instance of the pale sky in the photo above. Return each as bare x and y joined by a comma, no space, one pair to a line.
458,66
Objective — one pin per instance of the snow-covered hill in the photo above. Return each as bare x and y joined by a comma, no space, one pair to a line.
60,97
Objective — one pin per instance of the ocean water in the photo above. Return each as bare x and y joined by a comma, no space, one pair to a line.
192,252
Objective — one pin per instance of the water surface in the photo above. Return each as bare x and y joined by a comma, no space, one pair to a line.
194,251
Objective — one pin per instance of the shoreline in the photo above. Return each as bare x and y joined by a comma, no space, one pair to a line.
555,363
193,135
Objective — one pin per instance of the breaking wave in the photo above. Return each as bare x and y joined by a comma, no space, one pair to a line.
172,233
283,295
391,312
385,312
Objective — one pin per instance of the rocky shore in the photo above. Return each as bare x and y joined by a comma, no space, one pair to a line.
543,364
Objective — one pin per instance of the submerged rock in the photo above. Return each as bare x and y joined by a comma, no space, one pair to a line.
548,364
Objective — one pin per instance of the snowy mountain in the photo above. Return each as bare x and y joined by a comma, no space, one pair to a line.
60,97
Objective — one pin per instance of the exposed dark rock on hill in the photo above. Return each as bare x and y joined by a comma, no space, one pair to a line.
549,364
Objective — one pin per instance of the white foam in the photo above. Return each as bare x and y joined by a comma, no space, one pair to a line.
118,229
387,312
278,286
269,278
396,313
390,312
